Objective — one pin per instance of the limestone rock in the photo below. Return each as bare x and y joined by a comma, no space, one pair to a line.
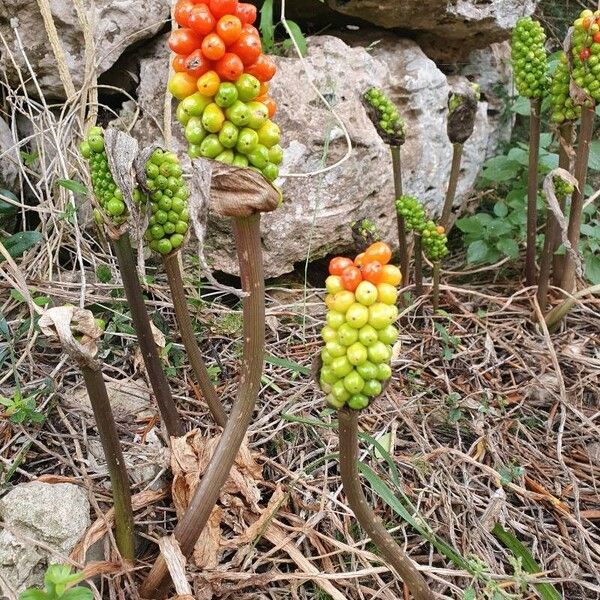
318,210
114,26
9,170
129,399
54,515
446,27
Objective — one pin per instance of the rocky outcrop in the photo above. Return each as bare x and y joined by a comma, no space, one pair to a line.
114,27
318,209
9,161
55,516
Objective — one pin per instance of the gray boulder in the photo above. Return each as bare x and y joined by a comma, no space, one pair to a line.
444,27
317,210
56,516
114,27
9,163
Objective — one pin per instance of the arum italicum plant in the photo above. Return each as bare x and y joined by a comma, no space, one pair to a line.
585,63
529,59
354,366
113,213
226,114
166,234
78,333
392,130
462,111
564,115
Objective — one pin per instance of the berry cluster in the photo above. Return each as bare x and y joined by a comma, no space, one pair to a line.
221,77
109,196
563,107
412,212
529,58
562,188
168,222
359,333
586,53
388,119
435,242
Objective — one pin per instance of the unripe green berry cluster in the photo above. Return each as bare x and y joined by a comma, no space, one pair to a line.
586,53
389,120
169,217
563,107
109,196
529,58
435,242
413,213
562,188
233,127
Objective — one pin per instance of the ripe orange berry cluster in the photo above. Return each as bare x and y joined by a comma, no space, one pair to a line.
222,79
359,333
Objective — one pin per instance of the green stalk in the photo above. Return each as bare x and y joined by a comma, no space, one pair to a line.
457,153
141,322
581,168
117,471
390,550
418,265
188,337
532,189
552,237
248,243
402,244
564,160
436,286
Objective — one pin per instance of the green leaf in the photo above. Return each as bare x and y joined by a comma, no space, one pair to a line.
546,590
521,106
519,155
594,161
267,29
592,268
477,252
298,36
548,161
288,364
73,186
470,225
470,594
499,228
32,594
500,169
19,243
509,247
78,593
6,208
545,140
500,209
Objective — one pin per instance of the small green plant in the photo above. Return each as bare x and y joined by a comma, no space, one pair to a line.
22,409
455,413
449,342
59,582
268,28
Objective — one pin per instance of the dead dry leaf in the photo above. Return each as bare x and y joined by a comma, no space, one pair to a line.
208,546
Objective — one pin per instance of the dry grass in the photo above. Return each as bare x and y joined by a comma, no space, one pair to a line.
488,420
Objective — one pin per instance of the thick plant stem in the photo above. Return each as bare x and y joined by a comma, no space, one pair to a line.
402,244
390,550
115,463
567,133
141,322
581,169
551,237
418,265
187,532
532,189
558,313
188,337
436,286
457,153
